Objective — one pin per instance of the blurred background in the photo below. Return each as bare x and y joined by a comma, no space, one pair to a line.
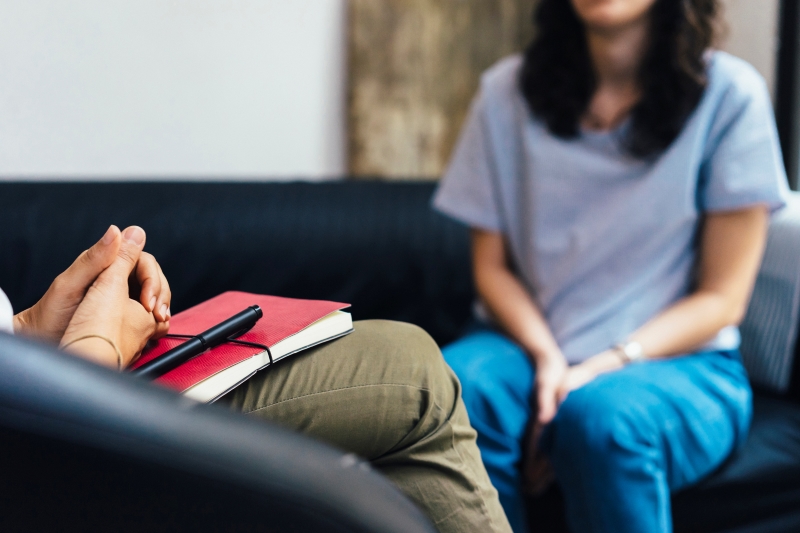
280,90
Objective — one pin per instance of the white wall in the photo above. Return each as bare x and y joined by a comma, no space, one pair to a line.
176,88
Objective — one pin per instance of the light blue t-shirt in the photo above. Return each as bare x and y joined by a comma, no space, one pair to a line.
604,241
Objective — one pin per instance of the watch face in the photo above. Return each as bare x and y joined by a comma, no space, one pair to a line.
633,350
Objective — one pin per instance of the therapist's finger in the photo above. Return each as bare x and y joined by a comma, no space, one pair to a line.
148,277
164,301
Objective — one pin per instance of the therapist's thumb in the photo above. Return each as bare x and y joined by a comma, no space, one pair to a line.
133,239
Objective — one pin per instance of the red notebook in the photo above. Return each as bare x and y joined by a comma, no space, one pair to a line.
287,327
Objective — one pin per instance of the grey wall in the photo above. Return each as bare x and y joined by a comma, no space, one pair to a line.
753,34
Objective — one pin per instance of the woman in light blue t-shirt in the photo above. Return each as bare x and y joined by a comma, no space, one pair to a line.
618,180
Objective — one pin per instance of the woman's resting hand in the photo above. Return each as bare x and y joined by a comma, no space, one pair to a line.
551,373
108,313
554,381
579,375
49,317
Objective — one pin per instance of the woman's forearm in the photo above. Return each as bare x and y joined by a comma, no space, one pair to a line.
731,248
681,329
514,309
509,303
687,325
684,327
507,299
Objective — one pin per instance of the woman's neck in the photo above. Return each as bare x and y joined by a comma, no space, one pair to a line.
617,56
618,53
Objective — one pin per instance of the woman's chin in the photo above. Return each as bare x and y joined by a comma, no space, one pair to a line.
610,24
612,15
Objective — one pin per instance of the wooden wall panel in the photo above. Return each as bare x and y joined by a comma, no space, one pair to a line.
414,66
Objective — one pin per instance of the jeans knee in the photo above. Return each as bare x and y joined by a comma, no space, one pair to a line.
487,364
474,383
478,386
592,423
496,381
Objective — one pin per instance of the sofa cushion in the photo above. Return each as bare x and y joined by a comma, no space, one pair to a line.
769,331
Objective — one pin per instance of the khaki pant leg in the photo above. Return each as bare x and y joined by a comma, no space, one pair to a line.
385,393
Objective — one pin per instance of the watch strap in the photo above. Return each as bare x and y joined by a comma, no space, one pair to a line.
629,352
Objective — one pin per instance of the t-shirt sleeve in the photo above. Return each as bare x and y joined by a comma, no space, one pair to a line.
743,165
467,190
6,314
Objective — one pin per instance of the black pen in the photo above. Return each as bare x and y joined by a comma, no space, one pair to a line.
200,343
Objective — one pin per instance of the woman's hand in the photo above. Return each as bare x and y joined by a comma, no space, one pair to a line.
575,378
550,374
582,374
554,381
108,312
50,316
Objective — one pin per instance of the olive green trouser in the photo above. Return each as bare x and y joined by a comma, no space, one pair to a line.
385,393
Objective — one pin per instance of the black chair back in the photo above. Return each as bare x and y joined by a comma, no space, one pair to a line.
83,448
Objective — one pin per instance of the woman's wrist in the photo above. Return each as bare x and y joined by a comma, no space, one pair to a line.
547,357
603,362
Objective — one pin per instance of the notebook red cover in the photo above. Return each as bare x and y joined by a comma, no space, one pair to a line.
282,318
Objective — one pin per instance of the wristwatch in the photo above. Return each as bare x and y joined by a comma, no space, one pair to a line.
629,352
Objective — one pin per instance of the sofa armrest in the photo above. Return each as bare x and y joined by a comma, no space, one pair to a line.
769,330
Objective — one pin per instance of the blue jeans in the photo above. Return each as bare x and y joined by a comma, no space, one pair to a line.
619,445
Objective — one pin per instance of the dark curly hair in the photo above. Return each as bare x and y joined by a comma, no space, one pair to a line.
558,80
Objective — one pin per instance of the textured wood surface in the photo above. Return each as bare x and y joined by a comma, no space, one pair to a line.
414,68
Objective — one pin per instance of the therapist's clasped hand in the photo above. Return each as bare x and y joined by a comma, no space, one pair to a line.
107,305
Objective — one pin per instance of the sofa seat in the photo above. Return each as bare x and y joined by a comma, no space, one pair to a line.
758,489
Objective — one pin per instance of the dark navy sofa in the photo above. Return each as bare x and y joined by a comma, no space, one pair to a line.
377,245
